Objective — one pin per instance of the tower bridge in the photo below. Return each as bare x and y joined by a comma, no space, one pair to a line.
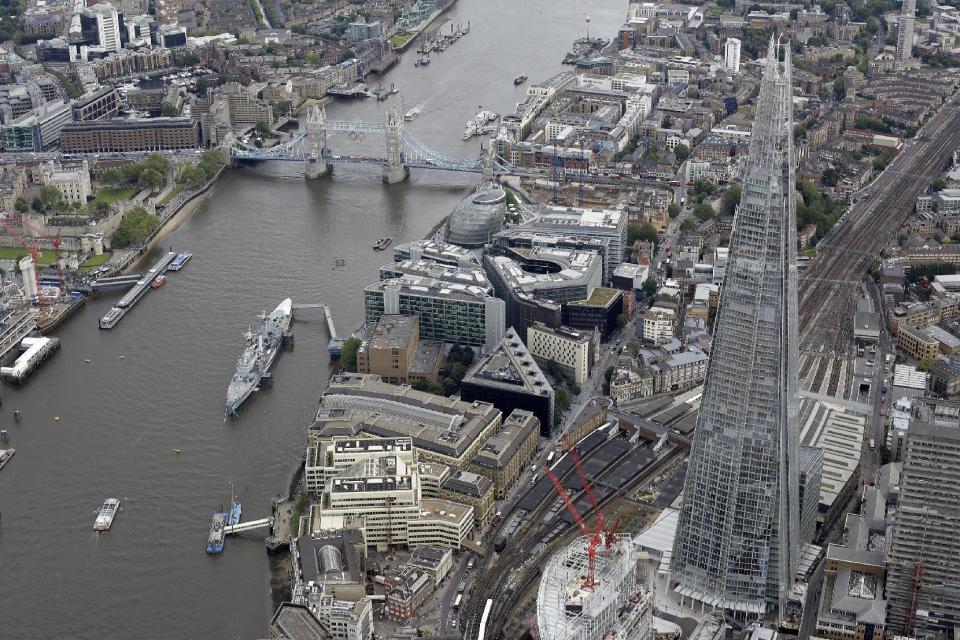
402,151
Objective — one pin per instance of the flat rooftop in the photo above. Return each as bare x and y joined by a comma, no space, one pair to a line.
448,426
391,332
437,271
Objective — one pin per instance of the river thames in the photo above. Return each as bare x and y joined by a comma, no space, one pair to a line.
156,382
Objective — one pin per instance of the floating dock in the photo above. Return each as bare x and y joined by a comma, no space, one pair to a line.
335,346
132,297
36,350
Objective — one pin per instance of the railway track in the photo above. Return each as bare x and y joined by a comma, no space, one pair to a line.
828,286
493,572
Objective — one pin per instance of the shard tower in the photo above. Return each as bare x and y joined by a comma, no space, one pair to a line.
735,547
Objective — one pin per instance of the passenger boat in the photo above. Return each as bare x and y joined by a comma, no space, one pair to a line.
179,261
217,534
158,282
107,513
519,80
382,244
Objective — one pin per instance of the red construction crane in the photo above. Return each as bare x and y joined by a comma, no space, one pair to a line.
578,465
33,251
55,241
593,537
914,597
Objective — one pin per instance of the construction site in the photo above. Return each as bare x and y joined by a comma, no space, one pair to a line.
563,565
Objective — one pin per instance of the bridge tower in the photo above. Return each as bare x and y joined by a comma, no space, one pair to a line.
394,170
315,166
488,161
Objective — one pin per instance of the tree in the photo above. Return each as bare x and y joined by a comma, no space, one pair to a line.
839,90
682,152
730,200
428,387
168,110
650,287
830,177
939,184
645,231
925,364
348,353
192,176
687,225
134,228
621,321
263,128
673,210
704,212
51,197
151,178
21,205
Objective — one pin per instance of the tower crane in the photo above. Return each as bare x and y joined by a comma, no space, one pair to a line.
34,253
593,537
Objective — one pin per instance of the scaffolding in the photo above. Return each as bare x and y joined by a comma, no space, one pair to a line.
617,607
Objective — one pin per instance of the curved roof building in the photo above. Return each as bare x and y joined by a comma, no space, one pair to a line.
478,217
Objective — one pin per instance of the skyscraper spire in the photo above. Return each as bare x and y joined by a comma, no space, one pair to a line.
736,546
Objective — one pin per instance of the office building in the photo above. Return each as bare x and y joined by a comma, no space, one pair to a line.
106,136
331,563
434,251
477,217
471,275
599,312
327,457
473,489
575,351
393,350
38,130
454,313
380,496
449,431
171,36
924,574
658,323
509,378
108,26
98,105
731,55
605,224
535,284
736,546
505,455
810,475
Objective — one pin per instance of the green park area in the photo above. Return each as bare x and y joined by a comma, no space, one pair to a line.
47,258
109,195
93,262
402,38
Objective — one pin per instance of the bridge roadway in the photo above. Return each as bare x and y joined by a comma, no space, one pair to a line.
827,297
494,569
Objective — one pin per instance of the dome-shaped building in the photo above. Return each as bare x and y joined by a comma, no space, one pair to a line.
478,217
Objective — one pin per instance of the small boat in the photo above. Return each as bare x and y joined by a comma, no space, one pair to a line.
410,115
158,282
235,512
422,61
107,513
3,435
177,451
382,244
217,534
5,455
179,261
519,80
